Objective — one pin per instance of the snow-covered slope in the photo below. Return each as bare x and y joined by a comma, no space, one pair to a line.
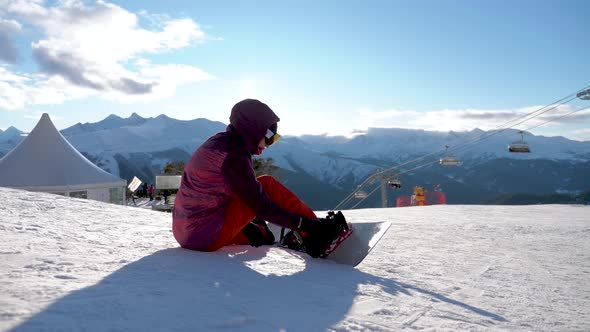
69,264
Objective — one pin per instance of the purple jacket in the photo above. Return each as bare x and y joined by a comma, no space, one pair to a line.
220,169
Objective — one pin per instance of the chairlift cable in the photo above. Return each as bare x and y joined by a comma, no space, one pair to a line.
371,177
506,126
465,145
557,103
542,110
560,117
404,172
499,129
363,199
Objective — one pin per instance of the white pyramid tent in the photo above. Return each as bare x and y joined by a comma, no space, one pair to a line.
45,161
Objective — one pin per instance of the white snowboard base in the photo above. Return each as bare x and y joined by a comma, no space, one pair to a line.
359,244
364,237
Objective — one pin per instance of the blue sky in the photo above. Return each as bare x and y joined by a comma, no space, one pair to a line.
329,67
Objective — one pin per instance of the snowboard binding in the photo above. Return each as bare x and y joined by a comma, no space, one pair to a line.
319,246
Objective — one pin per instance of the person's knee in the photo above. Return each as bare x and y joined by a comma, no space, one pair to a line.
267,181
266,178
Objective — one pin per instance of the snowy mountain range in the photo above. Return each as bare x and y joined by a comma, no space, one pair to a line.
9,138
138,146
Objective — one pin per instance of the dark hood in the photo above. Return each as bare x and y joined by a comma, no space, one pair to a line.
251,118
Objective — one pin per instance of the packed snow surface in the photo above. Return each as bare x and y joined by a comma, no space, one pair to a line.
80,265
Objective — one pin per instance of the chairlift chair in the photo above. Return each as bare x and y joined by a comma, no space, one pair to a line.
396,183
449,161
360,194
519,146
584,95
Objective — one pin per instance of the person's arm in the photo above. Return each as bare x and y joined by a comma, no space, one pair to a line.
238,170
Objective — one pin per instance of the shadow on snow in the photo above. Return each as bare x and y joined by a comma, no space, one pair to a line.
177,289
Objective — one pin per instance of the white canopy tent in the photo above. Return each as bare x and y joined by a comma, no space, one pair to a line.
45,161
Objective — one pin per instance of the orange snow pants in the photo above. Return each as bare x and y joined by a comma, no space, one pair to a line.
238,214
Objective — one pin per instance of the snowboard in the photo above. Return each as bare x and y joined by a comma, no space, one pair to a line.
363,237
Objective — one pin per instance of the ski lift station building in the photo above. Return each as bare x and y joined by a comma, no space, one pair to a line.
45,161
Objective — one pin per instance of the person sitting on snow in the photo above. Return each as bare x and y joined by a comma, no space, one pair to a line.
221,201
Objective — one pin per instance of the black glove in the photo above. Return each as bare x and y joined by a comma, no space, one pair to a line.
258,233
318,234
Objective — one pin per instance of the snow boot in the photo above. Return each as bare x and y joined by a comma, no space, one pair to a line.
316,236
292,240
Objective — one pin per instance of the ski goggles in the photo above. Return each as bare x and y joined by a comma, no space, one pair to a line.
271,137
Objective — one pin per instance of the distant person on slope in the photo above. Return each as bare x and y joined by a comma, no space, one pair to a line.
151,192
221,201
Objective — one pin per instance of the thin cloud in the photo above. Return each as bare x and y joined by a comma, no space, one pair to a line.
64,65
358,131
8,50
465,120
36,115
486,115
564,116
97,49
130,86
581,134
